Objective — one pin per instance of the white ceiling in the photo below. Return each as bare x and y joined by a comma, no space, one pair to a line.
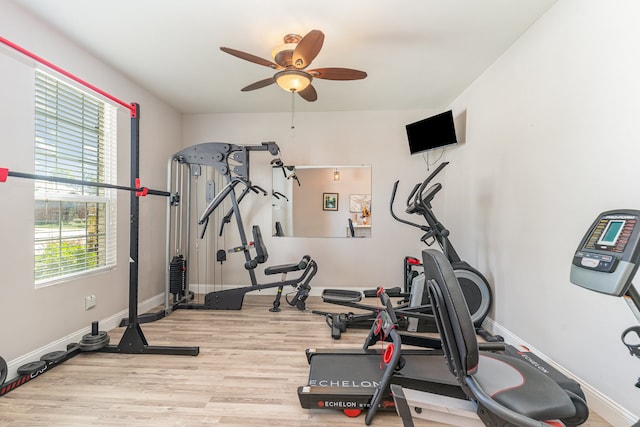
419,54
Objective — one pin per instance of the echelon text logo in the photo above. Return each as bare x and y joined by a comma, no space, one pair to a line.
343,383
340,404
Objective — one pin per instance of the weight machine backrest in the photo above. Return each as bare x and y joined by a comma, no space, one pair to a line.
261,250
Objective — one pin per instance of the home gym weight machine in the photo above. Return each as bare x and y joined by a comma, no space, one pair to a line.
133,340
232,163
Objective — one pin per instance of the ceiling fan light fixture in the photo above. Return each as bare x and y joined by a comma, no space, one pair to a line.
293,80
291,59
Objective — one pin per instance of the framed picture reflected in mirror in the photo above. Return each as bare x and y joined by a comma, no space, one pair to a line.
329,201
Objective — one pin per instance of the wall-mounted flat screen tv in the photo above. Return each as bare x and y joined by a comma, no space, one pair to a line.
431,133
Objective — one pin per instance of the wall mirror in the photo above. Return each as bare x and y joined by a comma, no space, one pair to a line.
322,201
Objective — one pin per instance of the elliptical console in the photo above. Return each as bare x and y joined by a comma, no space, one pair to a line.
607,258
606,261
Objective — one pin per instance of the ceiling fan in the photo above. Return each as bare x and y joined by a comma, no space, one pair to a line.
291,60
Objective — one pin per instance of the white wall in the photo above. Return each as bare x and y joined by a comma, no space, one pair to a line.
552,141
33,318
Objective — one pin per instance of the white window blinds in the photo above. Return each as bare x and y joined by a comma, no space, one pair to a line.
75,138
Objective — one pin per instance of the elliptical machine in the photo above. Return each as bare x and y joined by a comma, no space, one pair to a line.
414,312
475,287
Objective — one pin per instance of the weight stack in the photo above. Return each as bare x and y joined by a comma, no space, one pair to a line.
177,276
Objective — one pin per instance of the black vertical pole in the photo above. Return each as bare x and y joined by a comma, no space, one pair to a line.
134,228
133,340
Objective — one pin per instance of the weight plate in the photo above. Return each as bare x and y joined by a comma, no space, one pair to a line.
94,344
31,367
92,339
3,370
54,356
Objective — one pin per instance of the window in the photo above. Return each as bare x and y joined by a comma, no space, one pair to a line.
75,138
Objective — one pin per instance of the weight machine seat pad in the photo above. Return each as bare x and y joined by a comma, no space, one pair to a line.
341,295
520,387
284,268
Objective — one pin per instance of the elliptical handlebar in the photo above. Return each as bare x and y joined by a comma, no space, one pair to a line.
434,173
404,221
418,199
410,197
419,202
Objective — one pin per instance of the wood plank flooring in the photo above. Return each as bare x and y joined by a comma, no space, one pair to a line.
250,364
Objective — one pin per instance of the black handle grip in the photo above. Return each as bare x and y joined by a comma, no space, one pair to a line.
304,262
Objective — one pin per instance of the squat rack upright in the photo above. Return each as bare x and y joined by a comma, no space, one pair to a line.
133,340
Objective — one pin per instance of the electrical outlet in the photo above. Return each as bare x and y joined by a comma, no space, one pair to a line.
89,302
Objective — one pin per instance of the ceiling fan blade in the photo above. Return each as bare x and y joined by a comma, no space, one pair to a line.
307,49
259,84
337,74
309,94
251,58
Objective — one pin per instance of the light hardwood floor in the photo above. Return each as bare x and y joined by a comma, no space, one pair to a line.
250,364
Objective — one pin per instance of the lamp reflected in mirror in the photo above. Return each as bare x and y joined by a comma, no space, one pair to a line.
299,201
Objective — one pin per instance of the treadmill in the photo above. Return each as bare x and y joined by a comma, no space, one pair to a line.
357,380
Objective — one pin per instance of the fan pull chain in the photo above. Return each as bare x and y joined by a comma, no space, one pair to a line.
293,108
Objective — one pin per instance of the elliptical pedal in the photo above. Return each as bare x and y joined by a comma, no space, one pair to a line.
340,295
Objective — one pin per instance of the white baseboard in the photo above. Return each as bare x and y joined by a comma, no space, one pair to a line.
61,344
605,407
